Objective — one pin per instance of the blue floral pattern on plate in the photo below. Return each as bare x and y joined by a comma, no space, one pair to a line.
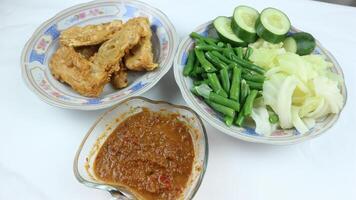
246,133
44,42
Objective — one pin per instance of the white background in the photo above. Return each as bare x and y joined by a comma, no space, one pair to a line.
38,141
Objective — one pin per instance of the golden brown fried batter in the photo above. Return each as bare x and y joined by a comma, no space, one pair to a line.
70,67
119,78
89,35
87,51
140,57
112,51
89,76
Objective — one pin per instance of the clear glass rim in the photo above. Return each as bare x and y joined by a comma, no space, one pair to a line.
187,96
111,188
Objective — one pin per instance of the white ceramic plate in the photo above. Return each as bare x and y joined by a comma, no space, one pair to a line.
247,133
39,49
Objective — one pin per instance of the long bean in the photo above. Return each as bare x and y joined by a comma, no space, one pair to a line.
206,47
199,82
225,80
248,53
248,65
245,90
208,40
200,42
243,70
216,61
255,85
208,67
195,66
220,44
243,62
239,52
273,118
228,120
228,53
221,109
235,84
194,91
196,69
215,84
240,119
247,107
224,101
253,77
190,63
222,57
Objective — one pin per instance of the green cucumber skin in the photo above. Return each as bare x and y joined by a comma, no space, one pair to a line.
266,34
233,43
227,40
243,34
305,43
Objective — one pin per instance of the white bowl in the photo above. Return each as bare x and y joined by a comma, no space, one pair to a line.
43,43
279,136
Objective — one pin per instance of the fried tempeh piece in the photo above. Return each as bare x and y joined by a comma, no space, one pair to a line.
88,51
89,78
89,35
70,67
140,57
112,51
119,78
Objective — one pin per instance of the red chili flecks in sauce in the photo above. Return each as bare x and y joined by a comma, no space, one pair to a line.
151,153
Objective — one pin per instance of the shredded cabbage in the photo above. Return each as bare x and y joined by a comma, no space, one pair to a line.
298,122
264,53
328,89
261,117
300,89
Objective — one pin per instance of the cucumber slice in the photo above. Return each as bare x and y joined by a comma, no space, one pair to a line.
290,45
223,28
243,23
272,25
301,43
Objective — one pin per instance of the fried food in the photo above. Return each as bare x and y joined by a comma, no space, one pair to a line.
89,35
140,58
119,78
112,51
72,68
88,51
89,57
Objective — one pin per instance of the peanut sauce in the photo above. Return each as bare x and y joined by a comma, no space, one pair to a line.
150,153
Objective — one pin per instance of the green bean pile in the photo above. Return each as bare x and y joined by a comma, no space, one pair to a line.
224,77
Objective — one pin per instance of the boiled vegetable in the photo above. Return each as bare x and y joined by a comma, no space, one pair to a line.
189,66
301,43
223,28
243,23
235,84
262,120
272,25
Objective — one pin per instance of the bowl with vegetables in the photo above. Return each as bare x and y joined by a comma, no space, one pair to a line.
257,78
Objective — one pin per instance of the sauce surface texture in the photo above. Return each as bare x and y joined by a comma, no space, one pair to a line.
151,153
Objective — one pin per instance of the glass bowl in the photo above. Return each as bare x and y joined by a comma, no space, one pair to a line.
278,137
44,42
104,126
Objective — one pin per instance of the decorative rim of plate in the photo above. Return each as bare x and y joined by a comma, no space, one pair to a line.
189,98
168,62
